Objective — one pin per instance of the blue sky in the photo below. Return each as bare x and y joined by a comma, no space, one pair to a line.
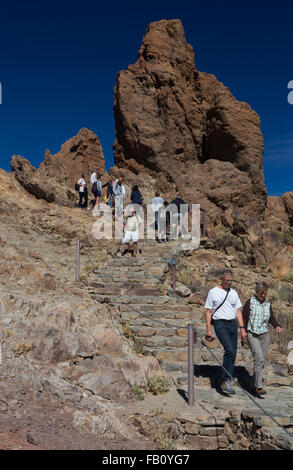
59,62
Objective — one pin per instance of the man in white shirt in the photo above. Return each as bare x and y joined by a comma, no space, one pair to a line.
223,309
96,186
83,194
157,202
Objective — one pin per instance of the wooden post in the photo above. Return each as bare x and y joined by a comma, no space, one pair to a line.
173,262
190,364
77,259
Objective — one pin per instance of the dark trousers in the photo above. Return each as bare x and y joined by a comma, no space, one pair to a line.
84,196
227,334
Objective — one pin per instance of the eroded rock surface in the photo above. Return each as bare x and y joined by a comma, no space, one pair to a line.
178,129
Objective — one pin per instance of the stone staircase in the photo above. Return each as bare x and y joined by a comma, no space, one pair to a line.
134,290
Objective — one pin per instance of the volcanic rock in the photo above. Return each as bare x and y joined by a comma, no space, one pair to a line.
180,130
28,177
56,176
82,153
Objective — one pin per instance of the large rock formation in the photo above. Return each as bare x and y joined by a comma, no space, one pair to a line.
82,153
178,129
55,178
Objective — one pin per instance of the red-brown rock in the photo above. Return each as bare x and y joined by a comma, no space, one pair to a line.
178,129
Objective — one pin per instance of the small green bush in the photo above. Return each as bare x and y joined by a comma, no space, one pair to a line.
137,392
158,384
166,443
225,238
287,238
286,294
288,277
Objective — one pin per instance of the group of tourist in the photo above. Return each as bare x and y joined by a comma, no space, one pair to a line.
114,196
224,313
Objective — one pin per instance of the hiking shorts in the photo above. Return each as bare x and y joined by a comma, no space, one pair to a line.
130,237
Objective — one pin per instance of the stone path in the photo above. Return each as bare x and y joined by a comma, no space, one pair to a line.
134,290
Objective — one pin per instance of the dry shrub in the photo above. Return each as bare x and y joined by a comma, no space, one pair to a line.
127,331
225,238
158,384
288,277
282,340
22,348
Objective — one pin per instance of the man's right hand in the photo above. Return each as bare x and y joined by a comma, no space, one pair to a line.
209,332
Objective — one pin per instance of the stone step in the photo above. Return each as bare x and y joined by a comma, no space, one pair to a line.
170,308
127,291
162,341
150,267
124,285
169,354
135,320
136,299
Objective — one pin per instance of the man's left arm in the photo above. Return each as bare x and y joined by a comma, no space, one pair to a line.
239,318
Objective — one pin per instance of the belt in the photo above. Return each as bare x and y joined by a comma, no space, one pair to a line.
222,319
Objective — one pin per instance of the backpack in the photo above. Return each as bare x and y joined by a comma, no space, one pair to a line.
136,198
94,187
76,187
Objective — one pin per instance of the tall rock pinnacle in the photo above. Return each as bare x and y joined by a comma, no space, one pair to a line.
180,130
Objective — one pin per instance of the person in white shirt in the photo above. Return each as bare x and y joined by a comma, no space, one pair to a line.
96,186
223,309
119,195
131,236
83,194
157,202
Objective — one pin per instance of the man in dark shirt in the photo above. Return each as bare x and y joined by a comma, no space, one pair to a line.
178,202
109,186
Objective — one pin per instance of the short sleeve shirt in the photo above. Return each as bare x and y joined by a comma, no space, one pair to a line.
228,310
82,184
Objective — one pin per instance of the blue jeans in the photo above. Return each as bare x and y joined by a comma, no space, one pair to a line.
227,334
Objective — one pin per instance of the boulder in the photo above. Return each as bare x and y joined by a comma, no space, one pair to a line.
28,177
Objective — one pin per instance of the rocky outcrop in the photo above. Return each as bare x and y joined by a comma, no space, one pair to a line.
180,130
28,177
54,180
82,153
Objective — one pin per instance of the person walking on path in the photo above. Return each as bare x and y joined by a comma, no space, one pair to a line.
223,309
119,194
83,194
136,197
157,202
109,194
257,315
163,222
131,236
178,202
96,186
203,227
